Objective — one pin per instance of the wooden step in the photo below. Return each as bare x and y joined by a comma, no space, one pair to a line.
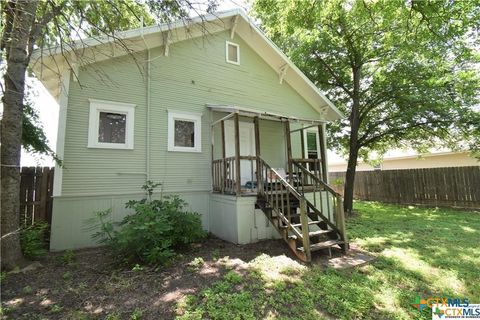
312,233
321,245
309,222
319,232
285,204
305,188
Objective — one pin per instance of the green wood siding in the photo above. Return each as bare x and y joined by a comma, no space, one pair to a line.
109,171
74,222
195,73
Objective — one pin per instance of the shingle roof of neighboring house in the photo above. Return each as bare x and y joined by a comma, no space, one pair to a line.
49,64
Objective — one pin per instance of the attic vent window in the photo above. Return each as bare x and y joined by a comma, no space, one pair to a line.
232,53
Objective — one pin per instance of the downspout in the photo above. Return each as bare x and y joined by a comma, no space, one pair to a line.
147,155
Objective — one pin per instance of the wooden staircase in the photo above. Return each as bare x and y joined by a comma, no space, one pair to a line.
306,212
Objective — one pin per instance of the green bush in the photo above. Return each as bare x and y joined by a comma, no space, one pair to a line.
153,233
32,240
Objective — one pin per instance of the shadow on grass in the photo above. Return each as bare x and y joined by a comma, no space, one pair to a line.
441,244
419,251
270,290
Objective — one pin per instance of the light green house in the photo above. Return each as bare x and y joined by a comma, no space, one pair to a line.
214,111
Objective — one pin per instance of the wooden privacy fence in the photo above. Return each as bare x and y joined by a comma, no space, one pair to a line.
448,187
36,186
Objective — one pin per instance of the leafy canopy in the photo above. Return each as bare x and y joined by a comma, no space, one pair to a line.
406,70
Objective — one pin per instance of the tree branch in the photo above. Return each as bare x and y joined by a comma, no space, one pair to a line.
38,26
377,137
9,12
338,81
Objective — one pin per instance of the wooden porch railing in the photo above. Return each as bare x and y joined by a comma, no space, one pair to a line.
302,207
224,176
312,165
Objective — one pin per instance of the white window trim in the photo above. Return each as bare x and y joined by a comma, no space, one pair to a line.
196,118
97,106
227,43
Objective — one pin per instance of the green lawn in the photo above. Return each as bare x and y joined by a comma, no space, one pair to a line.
420,251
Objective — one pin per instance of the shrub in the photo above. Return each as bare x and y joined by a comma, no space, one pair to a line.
32,240
153,233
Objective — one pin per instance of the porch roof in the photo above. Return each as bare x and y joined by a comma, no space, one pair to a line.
248,112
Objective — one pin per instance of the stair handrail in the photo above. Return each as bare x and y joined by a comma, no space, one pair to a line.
290,190
338,207
320,181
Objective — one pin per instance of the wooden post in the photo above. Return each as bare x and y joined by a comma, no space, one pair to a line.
302,143
340,222
49,196
37,189
289,150
224,163
212,140
256,124
237,154
305,229
42,214
323,153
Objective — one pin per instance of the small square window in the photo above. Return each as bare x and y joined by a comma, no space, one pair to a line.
232,52
110,125
184,132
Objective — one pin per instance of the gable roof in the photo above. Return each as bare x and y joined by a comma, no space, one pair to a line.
50,63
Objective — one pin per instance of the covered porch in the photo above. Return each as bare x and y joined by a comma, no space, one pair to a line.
242,138
273,158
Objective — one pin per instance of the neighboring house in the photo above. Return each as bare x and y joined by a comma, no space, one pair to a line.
208,109
416,161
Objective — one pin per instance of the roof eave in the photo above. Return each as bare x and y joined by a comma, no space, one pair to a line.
62,56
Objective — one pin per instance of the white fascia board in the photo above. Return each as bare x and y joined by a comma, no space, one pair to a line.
145,31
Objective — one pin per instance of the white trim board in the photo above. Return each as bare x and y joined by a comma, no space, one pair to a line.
62,124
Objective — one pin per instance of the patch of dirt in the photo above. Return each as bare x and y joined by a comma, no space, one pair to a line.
92,286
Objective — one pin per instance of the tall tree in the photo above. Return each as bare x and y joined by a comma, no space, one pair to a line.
31,24
404,72
17,60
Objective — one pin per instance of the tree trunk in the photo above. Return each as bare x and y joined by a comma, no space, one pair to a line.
353,143
16,44
350,179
